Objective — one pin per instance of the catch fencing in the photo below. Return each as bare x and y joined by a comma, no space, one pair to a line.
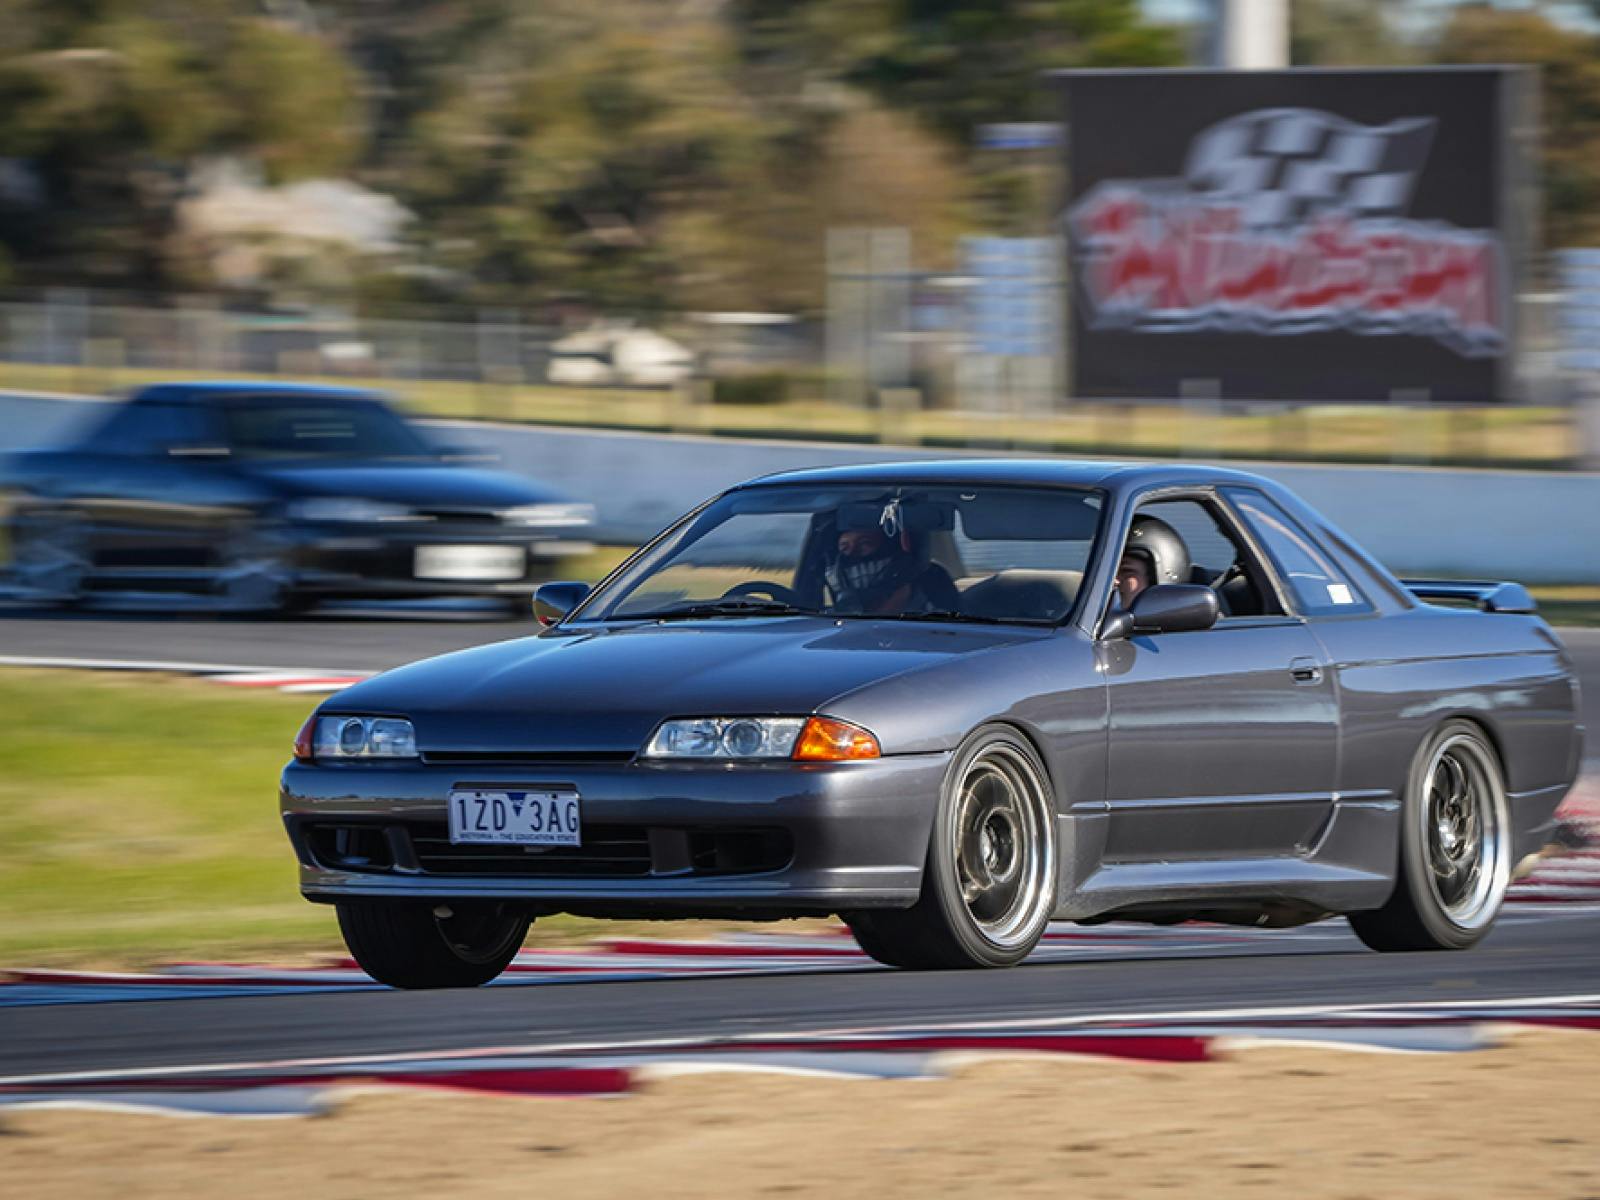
951,381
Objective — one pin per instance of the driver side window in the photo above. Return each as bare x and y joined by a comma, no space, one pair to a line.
1204,551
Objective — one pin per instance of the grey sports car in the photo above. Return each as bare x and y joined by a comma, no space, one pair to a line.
951,701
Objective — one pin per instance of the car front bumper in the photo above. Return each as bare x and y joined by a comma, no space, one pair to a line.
768,840
382,559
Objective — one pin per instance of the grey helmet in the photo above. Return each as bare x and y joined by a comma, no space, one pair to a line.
1159,543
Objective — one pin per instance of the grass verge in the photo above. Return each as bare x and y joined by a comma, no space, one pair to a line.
142,821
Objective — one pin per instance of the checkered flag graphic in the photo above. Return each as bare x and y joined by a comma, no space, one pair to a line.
1288,165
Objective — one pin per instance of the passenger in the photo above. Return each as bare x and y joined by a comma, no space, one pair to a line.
1134,574
870,572
1154,554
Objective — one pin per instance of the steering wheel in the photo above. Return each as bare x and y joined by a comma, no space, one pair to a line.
760,587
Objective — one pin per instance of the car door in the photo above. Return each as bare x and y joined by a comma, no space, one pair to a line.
1222,743
155,497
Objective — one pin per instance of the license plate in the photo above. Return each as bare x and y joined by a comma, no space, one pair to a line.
547,817
470,563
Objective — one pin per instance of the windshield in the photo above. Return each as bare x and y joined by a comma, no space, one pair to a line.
313,427
996,554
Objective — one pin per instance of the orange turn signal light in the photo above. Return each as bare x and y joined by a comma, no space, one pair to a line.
825,740
302,740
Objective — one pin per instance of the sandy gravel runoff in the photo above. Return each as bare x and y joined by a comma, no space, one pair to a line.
1519,1120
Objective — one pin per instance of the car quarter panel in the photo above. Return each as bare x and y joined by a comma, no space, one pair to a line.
1401,676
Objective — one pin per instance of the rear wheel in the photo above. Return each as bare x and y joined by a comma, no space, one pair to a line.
989,884
409,944
1455,848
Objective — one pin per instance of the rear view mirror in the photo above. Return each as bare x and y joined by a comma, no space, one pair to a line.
1167,608
918,516
553,601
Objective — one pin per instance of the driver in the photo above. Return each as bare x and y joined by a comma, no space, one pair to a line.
1154,554
870,572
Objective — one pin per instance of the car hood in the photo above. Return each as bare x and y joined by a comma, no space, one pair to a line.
419,484
606,689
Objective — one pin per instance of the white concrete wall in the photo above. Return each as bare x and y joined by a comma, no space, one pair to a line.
1527,525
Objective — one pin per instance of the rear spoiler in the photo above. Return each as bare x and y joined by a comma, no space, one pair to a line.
1487,595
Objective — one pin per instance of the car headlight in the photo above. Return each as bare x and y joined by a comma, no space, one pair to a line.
349,509
810,739
550,515
336,739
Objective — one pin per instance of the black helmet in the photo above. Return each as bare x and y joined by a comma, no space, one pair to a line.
860,584
1155,540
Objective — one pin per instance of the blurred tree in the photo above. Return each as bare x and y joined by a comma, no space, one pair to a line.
625,156
109,103
630,154
1347,33
957,64
1569,74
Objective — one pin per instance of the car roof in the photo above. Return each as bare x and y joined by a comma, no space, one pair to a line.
254,389
1037,472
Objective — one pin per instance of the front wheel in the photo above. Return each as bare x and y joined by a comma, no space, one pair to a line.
50,558
255,577
415,944
989,884
1455,848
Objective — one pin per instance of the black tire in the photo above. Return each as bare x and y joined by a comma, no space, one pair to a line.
404,944
255,578
50,557
1454,814
992,851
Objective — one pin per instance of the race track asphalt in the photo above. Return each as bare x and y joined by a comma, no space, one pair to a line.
1533,954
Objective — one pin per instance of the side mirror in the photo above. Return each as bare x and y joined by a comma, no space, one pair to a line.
553,601
1166,608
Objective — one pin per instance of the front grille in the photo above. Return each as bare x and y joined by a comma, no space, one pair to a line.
469,515
524,758
608,852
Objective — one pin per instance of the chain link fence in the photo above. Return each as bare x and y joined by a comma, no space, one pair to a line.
918,376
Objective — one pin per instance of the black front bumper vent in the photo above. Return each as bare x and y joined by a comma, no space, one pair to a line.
607,852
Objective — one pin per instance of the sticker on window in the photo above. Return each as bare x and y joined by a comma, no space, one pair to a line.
1340,593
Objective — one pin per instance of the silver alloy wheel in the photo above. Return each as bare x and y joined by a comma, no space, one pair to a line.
1005,854
1466,831
50,559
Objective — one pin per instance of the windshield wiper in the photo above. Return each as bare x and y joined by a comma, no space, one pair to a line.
949,614
731,606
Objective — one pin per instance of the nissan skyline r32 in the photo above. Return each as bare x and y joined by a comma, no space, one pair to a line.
270,497
950,702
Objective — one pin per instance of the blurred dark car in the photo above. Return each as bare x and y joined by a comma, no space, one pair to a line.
269,497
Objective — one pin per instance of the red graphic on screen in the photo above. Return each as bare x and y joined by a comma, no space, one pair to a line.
1289,221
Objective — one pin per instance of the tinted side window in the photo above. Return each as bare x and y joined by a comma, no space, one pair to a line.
148,427
1320,588
1215,560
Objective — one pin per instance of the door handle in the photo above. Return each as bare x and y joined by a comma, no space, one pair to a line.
1305,670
